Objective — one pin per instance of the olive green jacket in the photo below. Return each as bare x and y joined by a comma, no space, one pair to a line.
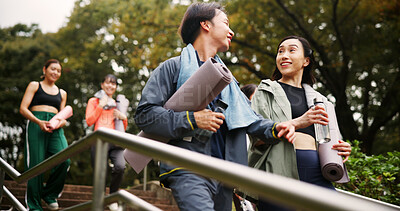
271,102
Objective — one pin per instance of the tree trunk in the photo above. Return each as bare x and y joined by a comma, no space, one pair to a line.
347,125
367,141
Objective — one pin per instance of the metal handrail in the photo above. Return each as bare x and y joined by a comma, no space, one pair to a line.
119,196
13,200
281,189
98,177
284,190
370,199
75,148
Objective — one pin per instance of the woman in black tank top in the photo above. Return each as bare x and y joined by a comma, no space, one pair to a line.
42,98
42,101
44,95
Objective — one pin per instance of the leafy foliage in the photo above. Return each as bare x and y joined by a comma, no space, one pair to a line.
355,42
126,38
376,176
23,51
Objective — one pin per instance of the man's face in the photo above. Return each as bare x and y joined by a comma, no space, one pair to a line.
220,31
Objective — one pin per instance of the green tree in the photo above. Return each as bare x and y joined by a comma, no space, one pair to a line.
130,38
23,51
126,38
346,36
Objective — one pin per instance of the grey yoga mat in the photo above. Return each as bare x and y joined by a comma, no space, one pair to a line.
194,95
332,166
122,106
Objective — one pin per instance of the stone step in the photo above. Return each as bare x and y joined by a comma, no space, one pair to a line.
65,194
141,193
64,203
76,194
78,188
148,196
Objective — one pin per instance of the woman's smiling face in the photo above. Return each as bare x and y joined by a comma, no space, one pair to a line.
290,58
109,87
52,72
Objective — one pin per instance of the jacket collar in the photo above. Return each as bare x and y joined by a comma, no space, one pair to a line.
279,95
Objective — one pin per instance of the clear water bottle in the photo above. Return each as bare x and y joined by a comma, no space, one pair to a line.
205,135
322,134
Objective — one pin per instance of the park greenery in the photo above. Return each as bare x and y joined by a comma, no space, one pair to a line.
375,176
356,44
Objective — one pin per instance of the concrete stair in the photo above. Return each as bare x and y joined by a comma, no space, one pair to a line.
76,194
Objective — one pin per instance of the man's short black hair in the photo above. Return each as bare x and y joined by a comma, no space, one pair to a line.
196,13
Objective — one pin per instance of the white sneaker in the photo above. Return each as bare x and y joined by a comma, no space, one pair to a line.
53,206
113,206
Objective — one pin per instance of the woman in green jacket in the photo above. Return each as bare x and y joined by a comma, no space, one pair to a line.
287,96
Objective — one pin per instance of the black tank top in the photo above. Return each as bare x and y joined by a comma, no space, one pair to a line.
42,98
298,103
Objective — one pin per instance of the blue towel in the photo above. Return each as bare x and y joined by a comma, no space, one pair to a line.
239,113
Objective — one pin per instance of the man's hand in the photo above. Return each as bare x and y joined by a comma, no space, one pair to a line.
208,120
286,130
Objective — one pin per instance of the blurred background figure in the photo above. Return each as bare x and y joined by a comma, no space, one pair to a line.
43,100
249,90
101,111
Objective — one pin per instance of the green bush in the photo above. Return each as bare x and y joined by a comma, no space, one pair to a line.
375,176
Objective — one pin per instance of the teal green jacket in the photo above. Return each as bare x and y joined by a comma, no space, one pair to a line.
271,102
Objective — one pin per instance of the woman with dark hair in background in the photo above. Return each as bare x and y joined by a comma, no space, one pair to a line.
101,111
43,100
249,90
284,98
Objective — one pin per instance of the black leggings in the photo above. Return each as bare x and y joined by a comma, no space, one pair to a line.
309,170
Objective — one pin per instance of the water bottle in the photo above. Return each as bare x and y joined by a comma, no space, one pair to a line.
322,134
205,135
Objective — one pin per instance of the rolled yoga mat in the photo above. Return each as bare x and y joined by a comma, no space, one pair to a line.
332,166
63,114
122,106
194,95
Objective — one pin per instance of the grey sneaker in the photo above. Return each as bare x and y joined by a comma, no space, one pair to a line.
52,206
